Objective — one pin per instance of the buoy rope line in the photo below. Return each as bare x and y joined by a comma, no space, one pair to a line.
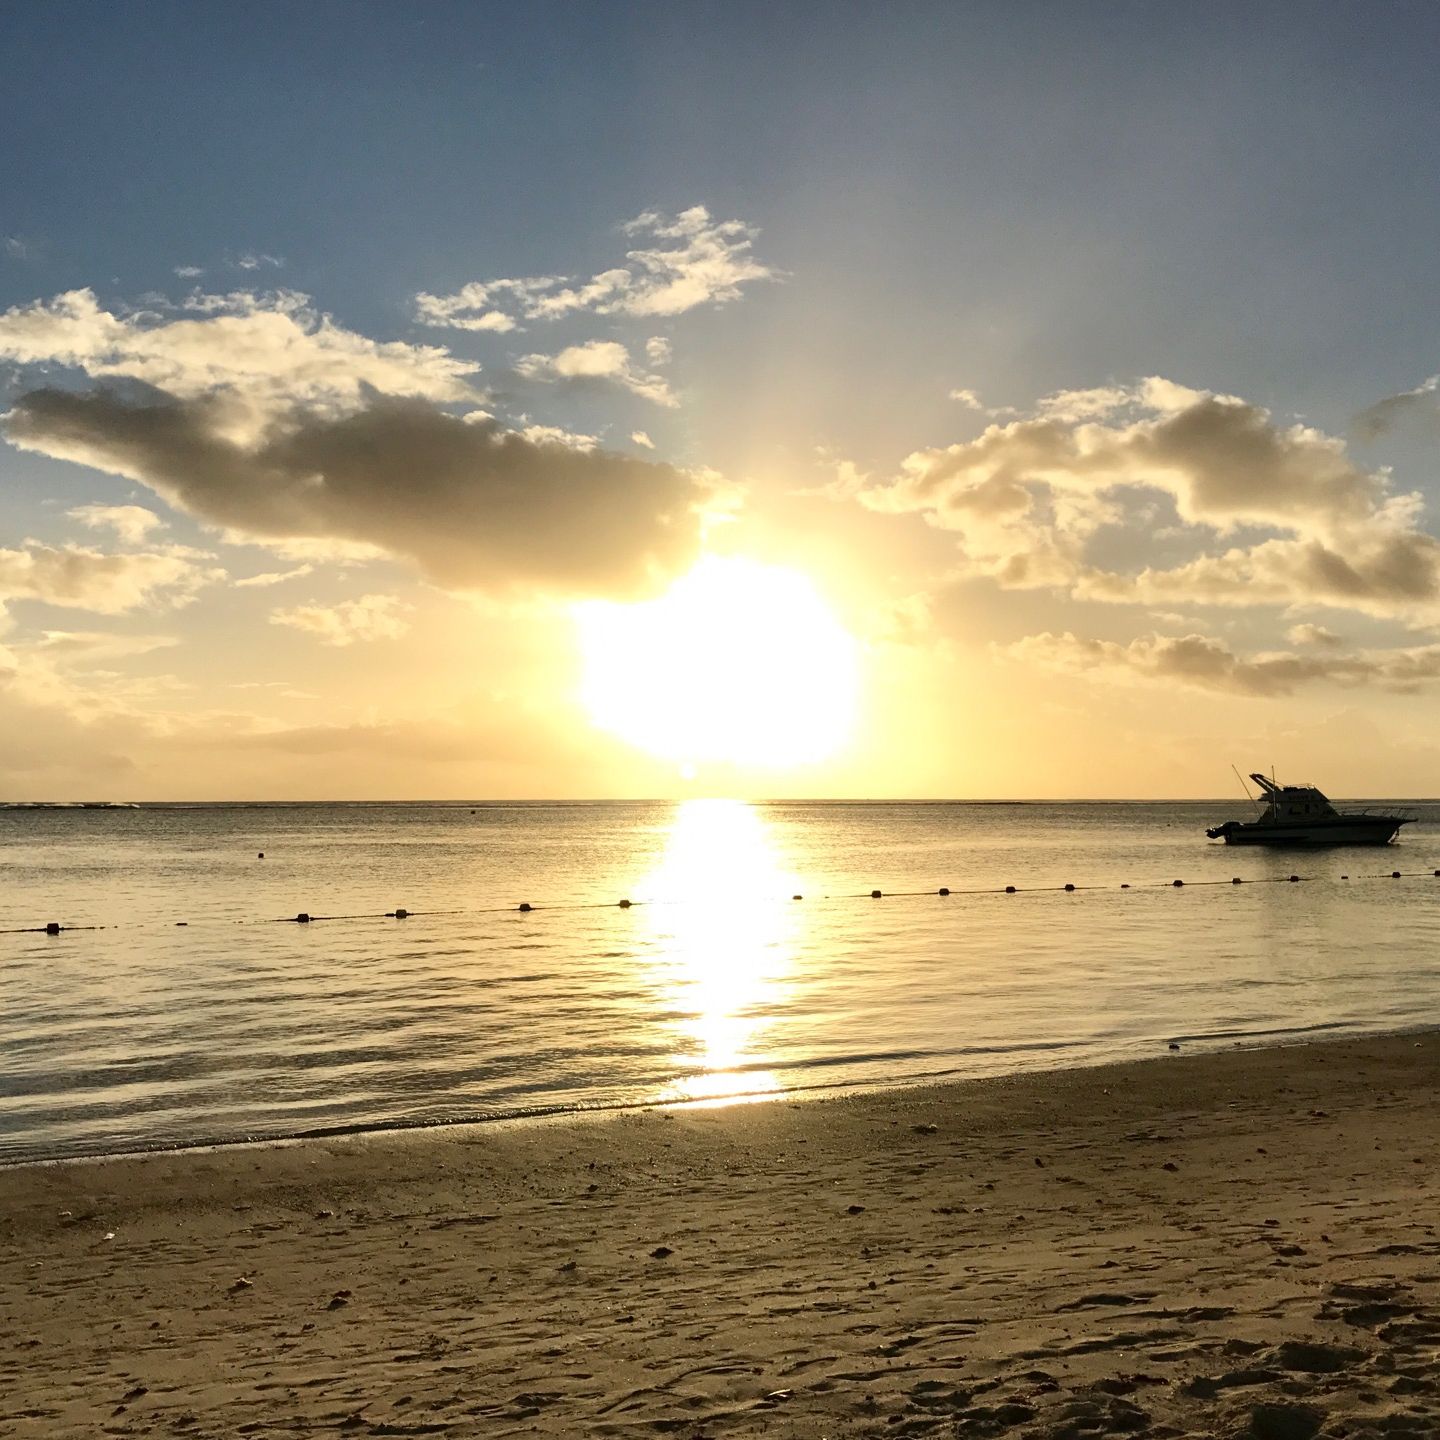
54,927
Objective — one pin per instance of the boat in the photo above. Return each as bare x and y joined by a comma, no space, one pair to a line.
1301,815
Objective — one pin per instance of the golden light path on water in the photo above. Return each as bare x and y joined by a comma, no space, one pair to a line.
724,944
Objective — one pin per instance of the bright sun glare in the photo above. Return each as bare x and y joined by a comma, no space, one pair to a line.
737,663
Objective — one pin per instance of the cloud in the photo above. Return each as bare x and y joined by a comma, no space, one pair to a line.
850,482
1083,404
476,306
968,398
264,353
293,549
639,437
1422,403
97,645
1207,664
255,260
18,249
427,740
597,360
189,272
131,523
473,505
658,350
1027,499
108,584
43,677
372,617
1308,634
1377,571
272,577
691,260
558,435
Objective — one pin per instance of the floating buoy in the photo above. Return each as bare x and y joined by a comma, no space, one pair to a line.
401,914
624,904
1177,883
943,890
302,918
1124,884
182,922
875,894
1174,1044
797,897
525,907
1438,872
53,928
1346,877
1009,889
1294,879
1069,887
1237,881
261,855
1394,874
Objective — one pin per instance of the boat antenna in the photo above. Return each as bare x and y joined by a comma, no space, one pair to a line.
1246,788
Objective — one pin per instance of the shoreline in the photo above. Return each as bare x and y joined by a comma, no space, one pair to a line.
1323,1034
1218,1244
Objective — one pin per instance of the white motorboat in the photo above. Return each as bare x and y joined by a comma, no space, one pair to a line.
1301,815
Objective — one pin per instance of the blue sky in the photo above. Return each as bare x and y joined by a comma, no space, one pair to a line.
1017,201
1119,187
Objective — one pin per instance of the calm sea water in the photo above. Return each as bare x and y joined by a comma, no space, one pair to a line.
714,983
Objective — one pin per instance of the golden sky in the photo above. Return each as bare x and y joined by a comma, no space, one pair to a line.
951,441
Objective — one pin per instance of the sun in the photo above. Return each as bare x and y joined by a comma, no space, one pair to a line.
737,663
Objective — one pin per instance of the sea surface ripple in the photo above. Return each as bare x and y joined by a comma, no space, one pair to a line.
199,1011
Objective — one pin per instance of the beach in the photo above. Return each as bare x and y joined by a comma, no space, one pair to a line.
1235,1243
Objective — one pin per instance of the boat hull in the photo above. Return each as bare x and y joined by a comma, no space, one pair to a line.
1380,831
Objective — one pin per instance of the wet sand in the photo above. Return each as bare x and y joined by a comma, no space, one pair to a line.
1237,1244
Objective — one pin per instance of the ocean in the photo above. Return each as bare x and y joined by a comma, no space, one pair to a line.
182,1003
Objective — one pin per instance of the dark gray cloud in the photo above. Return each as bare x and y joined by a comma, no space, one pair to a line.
472,504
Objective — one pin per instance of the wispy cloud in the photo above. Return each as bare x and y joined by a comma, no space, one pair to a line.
372,617
558,435
1209,664
130,523
690,260
272,577
1422,403
86,646
105,583
267,351
1311,634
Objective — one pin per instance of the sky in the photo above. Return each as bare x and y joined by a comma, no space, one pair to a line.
787,399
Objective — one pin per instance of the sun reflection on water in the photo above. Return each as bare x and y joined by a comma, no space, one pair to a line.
723,934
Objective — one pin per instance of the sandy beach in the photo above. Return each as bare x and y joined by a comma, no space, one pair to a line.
1234,1244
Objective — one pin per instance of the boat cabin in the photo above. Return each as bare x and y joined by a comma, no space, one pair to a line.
1292,802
